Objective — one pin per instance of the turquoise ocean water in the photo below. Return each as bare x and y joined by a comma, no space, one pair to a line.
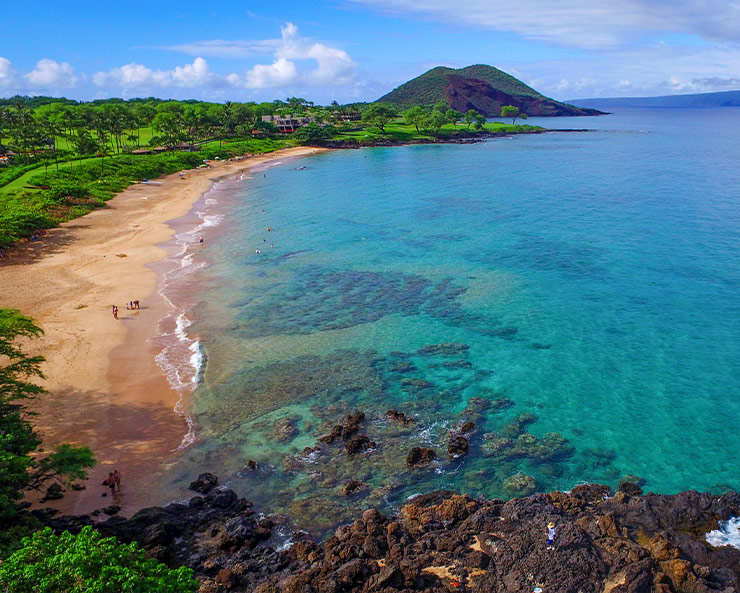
575,295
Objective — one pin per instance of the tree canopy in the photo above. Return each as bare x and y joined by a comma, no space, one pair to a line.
379,114
88,563
510,111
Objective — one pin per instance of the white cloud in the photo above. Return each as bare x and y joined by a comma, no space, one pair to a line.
332,66
228,49
196,74
588,24
281,72
138,76
327,66
7,74
52,74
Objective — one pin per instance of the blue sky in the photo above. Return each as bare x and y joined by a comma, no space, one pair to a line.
357,50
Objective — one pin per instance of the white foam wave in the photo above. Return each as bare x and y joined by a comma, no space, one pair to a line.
181,325
728,533
428,434
208,222
181,357
282,536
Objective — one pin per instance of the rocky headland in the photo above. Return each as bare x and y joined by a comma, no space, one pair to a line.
461,136
626,543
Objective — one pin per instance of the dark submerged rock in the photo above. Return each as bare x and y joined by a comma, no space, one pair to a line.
457,446
353,487
205,483
420,456
445,349
358,444
399,417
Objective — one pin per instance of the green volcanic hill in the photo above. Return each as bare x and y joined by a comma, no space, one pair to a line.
480,87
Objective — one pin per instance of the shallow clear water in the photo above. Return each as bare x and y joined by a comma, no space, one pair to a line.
588,282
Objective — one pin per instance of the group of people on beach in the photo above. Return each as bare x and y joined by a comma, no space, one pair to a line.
113,481
130,306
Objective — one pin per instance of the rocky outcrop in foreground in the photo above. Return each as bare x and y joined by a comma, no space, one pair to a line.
627,543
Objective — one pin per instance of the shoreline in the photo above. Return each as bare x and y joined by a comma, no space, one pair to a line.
464,137
105,387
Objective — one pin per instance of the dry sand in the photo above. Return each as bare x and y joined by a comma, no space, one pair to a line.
105,388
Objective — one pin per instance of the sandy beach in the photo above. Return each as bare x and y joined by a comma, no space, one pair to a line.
105,388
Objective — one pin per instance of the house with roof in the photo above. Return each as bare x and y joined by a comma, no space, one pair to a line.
288,123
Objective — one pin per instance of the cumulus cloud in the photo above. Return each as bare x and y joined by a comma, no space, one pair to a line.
280,73
138,76
334,66
588,24
52,74
7,74
290,53
296,61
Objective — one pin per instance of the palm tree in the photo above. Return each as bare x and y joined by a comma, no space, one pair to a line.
23,126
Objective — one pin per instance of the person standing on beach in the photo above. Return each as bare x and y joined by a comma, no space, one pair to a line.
201,240
117,479
115,312
110,481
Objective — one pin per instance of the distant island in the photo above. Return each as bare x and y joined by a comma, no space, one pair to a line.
721,99
480,87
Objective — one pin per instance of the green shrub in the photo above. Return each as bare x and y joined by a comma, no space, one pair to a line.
88,563
65,188
314,134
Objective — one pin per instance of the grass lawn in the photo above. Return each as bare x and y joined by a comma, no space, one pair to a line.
16,185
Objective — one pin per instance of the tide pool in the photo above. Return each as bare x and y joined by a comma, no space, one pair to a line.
574,295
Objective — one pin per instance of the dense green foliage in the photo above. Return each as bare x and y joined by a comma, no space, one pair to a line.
88,563
22,466
428,88
313,134
432,120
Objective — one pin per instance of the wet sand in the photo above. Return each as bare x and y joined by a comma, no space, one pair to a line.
105,388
